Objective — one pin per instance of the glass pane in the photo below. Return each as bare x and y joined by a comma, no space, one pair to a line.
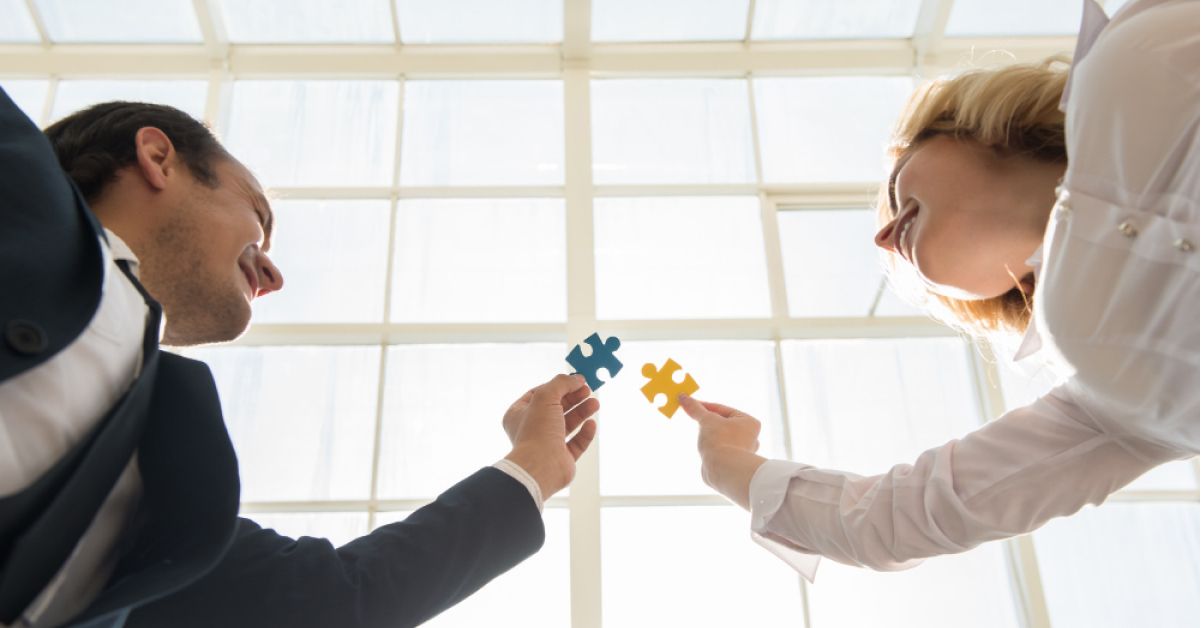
671,131
988,17
1025,381
970,589
645,453
891,304
332,133
124,21
333,255
668,20
29,95
480,21
827,129
656,258
482,133
480,260
339,527
302,418
834,19
72,96
908,394
695,567
830,263
16,26
443,406
1123,564
538,590
307,21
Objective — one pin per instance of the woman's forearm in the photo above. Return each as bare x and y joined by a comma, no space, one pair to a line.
729,471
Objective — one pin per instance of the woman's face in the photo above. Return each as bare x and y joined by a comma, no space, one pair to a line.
966,218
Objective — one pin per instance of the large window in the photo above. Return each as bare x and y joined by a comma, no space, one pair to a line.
464,189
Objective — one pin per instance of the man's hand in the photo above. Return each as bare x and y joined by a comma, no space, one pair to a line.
538,425
727,442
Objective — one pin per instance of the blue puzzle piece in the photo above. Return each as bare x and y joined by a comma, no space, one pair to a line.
602,356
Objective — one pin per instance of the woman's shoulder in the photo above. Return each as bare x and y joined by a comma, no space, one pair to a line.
1132,113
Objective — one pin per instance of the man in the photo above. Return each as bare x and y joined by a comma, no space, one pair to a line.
118,483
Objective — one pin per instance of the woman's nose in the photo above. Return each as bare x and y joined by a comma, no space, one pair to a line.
884,237
270,279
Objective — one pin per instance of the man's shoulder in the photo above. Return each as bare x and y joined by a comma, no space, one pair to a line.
50,257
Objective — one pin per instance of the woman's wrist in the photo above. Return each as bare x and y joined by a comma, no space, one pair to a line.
728,470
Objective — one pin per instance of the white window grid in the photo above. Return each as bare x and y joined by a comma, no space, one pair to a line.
577,62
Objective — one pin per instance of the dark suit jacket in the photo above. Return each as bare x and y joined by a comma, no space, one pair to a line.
186,559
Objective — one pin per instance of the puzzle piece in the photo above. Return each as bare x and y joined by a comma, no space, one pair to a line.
602,356
663,383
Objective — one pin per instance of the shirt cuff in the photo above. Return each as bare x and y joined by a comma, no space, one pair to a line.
514,470
769,488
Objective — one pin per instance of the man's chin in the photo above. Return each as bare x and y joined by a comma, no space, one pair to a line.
205,332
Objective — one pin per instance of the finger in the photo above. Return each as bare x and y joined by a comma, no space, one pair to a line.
579,444
694,408
721,410
580,413
552,392
524,399
573,398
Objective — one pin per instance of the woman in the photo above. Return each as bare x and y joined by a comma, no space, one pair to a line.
1079,229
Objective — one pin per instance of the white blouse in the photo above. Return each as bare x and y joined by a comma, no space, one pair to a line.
1116,316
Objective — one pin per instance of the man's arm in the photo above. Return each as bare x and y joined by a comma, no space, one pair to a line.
404,573
399,575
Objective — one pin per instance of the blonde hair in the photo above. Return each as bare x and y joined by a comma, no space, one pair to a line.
1013,110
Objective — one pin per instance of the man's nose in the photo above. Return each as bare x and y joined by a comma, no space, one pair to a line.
884,237
270,279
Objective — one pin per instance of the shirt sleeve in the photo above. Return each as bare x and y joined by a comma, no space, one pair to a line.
515,471
1007,478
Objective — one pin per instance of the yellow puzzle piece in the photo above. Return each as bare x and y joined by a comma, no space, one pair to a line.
663,383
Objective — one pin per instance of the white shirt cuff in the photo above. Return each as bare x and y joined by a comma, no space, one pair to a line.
769,488
514,470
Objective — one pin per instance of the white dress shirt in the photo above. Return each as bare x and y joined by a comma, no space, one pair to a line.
45,411
1116,315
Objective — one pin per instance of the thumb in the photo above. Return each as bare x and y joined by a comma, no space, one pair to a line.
694,408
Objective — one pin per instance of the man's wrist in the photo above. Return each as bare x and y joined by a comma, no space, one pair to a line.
543,471
515,471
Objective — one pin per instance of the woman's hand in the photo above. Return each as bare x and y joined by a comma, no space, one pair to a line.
727,442
538,424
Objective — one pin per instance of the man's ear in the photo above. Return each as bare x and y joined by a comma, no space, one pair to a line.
157,160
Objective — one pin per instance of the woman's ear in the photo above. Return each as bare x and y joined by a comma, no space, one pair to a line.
156,156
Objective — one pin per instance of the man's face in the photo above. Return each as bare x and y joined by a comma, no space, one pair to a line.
207,260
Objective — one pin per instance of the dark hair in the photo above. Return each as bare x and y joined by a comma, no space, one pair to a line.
95,143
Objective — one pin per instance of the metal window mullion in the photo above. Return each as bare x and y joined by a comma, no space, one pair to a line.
928,34
584,500
774,259
750,23
394,13
1025,578
212,31
51,96
377,442
268,334
728,59
217,44
38,23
